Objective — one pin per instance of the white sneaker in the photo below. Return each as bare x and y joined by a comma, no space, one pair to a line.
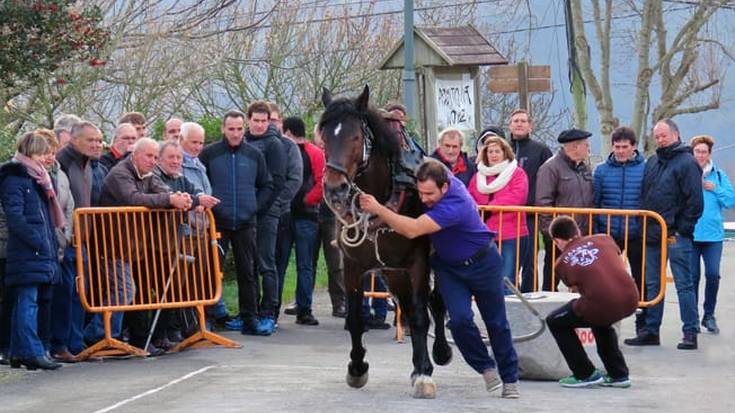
492,381
510,391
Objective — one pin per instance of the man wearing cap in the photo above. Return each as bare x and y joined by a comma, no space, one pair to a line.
487,132
564,180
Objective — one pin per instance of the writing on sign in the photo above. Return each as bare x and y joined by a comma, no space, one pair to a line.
455,104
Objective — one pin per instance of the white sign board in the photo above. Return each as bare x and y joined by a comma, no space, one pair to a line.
455,103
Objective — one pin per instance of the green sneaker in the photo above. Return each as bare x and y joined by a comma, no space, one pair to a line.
621,383
573,382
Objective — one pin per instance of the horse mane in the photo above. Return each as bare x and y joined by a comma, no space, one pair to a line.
385,143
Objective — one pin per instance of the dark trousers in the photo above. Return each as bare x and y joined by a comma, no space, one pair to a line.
284,243
243,249
6,310
333,257
266,252
562,323
528,256
551,254
635,258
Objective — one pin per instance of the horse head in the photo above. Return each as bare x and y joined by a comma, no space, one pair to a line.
348,142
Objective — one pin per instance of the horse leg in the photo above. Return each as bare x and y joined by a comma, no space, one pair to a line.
357,369
441,351
414,301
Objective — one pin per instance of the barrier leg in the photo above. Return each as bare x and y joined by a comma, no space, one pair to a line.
204,337
399,327
109,346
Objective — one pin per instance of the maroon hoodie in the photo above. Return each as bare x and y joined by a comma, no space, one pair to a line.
594,266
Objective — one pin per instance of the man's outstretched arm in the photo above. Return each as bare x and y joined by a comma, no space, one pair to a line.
406,226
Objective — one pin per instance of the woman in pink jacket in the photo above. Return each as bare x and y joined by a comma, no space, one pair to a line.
501,181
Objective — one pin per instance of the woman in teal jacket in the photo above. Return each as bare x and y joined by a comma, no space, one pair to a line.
708,233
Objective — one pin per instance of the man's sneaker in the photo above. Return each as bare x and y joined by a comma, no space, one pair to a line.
265,327
643,339
621,383
510,391
573,382
307,319
492,381
234,324
290,309
710,324
688,342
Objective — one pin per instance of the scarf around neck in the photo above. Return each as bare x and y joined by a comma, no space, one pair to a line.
39,174
707,168
502,172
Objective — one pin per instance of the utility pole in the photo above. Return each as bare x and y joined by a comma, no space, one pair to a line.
578,89
409,75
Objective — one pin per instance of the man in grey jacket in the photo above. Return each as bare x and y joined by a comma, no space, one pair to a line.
565,180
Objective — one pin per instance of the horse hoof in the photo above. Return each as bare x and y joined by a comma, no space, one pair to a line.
443,358
424,387
357,382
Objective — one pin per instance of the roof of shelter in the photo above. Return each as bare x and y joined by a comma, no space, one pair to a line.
446,46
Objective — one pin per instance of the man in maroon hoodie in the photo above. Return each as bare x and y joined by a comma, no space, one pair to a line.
593,267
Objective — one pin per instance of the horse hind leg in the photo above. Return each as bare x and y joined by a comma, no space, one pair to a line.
357,369
441,351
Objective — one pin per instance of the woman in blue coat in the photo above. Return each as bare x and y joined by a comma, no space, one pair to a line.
708,233
32,213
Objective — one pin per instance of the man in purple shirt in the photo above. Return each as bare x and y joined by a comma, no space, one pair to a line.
466,264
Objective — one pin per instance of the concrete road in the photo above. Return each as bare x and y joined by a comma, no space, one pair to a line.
303,368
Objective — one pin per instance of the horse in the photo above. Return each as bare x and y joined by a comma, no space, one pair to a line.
360,151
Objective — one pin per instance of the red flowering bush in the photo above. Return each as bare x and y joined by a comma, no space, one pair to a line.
38,36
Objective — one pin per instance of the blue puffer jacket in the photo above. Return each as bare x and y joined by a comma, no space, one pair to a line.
709,227
617,185
672,187
240,180
31,249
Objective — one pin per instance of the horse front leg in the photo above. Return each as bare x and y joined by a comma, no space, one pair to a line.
414,302
357,369
441,351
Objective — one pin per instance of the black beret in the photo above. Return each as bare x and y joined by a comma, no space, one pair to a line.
571,135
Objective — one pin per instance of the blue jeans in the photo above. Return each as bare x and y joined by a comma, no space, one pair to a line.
61,316
95,330
24,340
458,283
509,258
305,236
266,248
711,253
527,255
680,259
379,305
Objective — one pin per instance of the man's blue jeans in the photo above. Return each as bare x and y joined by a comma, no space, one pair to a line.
680,259
305,236
711,253
67,317
458,283
379,305
95,330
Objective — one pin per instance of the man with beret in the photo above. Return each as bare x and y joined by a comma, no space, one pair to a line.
564,180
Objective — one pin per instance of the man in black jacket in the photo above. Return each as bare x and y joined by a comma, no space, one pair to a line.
531,155
265,137
672,187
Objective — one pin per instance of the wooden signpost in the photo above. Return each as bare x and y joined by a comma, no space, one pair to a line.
522,79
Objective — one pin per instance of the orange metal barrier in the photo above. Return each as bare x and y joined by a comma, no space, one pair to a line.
386,295
589,213
172,260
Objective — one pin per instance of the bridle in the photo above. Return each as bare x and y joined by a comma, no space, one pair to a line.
368,139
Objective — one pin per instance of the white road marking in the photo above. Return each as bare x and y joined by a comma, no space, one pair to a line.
152,391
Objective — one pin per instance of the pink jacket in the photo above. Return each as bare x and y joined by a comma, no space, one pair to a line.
514,193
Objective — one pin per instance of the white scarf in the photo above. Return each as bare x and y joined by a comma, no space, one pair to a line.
707,168
502,171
